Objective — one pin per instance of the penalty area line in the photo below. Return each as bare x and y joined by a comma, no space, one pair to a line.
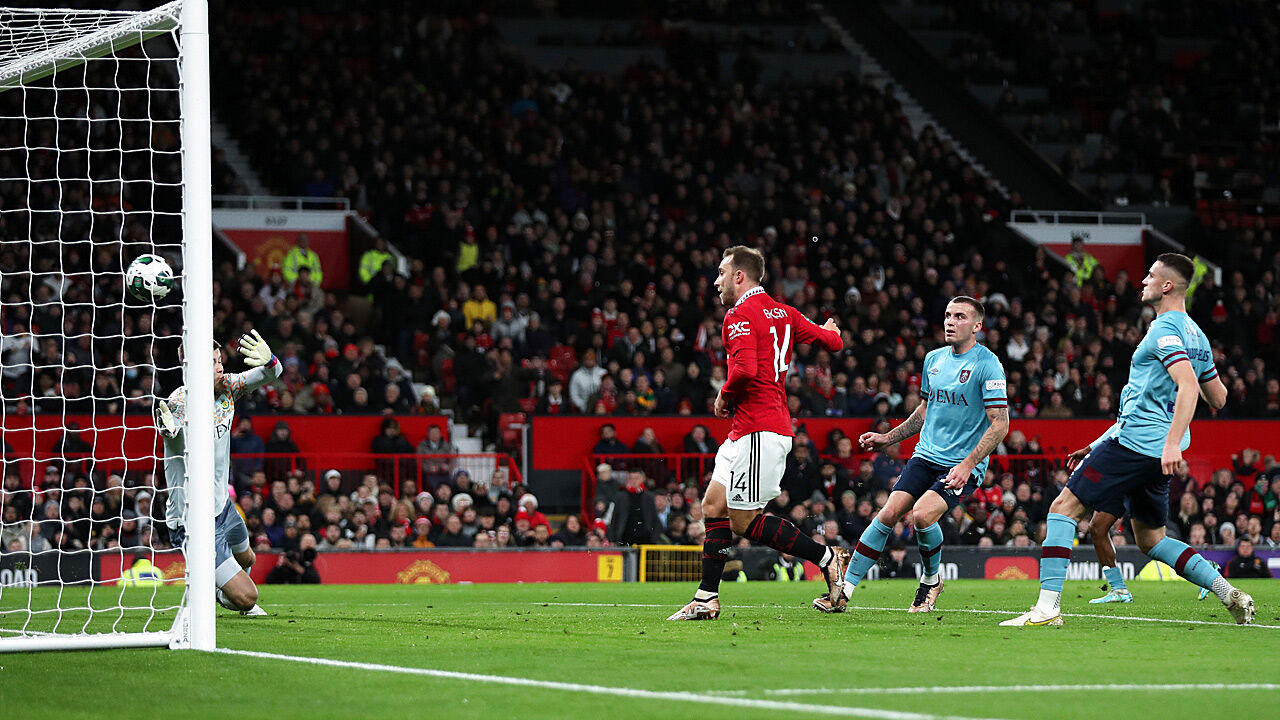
636,693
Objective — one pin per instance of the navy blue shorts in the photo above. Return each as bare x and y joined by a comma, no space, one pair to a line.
1115,479
920,476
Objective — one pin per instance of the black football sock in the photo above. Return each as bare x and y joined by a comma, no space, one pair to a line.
779,534
715,549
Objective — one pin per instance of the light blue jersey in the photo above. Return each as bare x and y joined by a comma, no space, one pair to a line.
1146,403
959,389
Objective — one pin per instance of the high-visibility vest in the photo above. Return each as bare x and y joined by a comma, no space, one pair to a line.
142,574
1083,268
296,259
371,263
782,573
1197,277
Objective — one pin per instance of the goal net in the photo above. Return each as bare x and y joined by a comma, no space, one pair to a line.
103,141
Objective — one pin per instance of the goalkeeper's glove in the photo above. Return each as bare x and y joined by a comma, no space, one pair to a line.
255,350
165,422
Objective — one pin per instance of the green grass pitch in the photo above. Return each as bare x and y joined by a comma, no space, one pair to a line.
767,655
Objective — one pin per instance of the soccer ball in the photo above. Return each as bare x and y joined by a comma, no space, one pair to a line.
148,278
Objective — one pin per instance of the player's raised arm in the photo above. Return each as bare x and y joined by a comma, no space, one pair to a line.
263,366
827,335
171,413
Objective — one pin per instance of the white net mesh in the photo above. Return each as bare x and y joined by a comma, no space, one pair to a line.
90,178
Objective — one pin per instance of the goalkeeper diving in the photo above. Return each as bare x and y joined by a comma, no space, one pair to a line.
234,557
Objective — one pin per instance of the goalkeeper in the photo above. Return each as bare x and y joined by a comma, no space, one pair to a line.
234,557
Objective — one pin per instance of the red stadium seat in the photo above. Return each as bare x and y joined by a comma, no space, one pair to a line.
528,404
509,429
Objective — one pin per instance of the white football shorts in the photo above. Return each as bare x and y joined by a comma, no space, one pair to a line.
751,468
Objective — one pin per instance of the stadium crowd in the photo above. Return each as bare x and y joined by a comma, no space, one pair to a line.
831,490
1149,79
828,491
566,227
563,231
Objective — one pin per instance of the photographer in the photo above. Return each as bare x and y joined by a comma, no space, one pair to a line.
297,566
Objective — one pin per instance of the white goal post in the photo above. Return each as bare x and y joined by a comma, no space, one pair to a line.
111,113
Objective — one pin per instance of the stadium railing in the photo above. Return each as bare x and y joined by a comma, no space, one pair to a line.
427,471
686,468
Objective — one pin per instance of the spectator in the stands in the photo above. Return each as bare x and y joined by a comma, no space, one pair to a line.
608,444
888,465
1245,564
585,381
571,533
435,443
281,442
635,518
479,308
452,536
300,257
647,443
801,477
244,441
373,260
389,441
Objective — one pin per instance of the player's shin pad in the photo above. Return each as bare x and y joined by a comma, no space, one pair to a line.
784,537
715,548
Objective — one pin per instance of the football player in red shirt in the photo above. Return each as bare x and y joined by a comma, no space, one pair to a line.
758,334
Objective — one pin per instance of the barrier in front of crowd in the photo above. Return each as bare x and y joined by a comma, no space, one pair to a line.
694,470
498,470
612,564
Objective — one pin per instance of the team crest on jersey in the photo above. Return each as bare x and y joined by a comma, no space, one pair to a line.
964,375
739,329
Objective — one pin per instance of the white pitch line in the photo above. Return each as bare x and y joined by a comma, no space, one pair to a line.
1080,615
686,697
918,690
945,610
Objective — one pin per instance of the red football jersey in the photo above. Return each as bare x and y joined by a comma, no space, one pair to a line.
759,334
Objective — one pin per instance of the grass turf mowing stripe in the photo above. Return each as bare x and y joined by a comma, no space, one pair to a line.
781,706
945,610
919,690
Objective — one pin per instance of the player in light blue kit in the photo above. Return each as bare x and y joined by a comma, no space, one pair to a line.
1130,470
963,415
234,557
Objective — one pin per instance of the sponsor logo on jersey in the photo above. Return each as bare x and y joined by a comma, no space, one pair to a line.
1168,341
947,396
964,375
995,385
739,329
933,371
737,498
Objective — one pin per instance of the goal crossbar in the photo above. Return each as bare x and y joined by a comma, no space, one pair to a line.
131,28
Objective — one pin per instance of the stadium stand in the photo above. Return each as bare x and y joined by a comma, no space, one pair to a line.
563,229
